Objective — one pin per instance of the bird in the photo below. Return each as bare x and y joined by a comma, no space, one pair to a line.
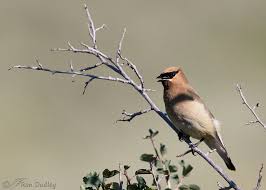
189,114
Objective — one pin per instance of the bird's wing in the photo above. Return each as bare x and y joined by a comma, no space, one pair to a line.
194,111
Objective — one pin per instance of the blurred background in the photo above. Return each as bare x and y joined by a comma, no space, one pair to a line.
49,130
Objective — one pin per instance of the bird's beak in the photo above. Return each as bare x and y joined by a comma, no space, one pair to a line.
160,77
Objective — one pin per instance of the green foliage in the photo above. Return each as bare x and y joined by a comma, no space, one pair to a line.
92,181
187,170
107,173
126,167
147,157
162,171
189,187
142,171
112,186
163,149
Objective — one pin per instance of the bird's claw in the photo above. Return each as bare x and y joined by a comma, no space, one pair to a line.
192,146
181,136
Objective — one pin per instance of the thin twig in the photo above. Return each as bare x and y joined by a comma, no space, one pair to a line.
127,177
129,63
185,153
71,73
259,179
120,178
166,175
154,177
91,67
252,110
86,85
129,116
134,68
118,52
100,28
91,27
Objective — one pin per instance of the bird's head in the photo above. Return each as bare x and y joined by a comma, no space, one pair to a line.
172,76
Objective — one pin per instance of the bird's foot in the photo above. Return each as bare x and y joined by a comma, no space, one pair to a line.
182,136
198,143
192,146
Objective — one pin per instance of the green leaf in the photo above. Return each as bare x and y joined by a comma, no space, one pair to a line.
194,187
112,186
172,168
189,187
160,170
89,188
187,170
167,163
153,133
175,177
158,164
167,189
92,180
133,186
141,180
126,167
184,187
163,149
107,173
147,157
142,171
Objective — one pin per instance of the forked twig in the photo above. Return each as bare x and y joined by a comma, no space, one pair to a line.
129,116
259,179
252,110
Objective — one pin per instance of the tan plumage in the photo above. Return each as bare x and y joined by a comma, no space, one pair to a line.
188,112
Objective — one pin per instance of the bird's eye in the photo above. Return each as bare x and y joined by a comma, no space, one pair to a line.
172,74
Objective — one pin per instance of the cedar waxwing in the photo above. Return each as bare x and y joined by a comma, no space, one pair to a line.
189,113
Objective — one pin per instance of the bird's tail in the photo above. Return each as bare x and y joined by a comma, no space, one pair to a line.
217,143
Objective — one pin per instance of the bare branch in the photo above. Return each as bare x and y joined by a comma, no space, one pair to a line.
39,64
89,50
91,27
71,66
134,68
90,67
259,179
252,110
129,116
118,53
72,73
128,63
86,85
100,28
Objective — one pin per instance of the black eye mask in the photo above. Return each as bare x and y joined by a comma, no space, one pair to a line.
168,75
